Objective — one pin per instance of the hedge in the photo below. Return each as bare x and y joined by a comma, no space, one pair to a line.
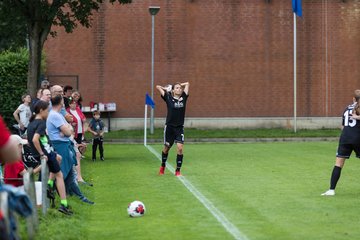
13,81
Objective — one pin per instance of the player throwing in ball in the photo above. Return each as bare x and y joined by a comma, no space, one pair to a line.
175,99
349,141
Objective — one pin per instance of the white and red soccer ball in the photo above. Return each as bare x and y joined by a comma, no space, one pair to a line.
136,209
168,87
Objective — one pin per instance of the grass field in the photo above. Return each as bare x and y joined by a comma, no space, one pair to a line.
226,133
267,190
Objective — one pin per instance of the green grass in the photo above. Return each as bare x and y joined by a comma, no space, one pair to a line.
267,190
225,133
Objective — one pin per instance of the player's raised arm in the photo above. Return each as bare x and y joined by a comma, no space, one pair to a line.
161,89
186,86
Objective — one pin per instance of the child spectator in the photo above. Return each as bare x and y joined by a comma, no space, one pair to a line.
23,113
14,172
96,127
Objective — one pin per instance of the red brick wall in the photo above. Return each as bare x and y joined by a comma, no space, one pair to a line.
237,55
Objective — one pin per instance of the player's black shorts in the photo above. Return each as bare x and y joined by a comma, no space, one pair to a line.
345,150
53,164
173,134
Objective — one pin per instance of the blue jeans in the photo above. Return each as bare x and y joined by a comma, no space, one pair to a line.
71,185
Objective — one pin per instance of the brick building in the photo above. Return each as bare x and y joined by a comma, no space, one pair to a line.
237,55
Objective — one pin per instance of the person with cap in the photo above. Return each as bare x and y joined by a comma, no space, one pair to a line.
8,146
14,172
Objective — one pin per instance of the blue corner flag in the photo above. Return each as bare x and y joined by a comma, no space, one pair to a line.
149,101
296,5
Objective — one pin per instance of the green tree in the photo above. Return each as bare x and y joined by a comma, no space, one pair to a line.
12,33
40,15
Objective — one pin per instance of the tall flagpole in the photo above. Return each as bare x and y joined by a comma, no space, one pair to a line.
152,73
153,11
295,123
145,125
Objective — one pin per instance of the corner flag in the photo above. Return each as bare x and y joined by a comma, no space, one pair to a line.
149,101
296,6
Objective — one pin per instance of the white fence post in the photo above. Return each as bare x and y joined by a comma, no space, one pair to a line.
44,180
32,221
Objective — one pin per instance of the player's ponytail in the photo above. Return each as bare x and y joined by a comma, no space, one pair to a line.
40,105
357,106
357,100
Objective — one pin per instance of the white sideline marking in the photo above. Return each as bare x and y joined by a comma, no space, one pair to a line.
207,204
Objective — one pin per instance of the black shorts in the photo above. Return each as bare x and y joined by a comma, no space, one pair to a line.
345,150
53,164
173,134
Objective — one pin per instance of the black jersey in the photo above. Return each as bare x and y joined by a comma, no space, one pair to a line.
175,109
39,126
351,131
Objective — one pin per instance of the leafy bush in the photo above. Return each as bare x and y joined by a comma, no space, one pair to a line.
13,80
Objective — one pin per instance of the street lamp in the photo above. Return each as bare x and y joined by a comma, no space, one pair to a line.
153,11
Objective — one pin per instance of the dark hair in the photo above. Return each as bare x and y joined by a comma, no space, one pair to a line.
39,105
67,87
177,83
96,112
56,100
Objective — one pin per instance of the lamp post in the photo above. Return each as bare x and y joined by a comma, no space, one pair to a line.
153,11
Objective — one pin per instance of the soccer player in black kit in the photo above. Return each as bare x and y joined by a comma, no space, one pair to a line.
349,141
174,128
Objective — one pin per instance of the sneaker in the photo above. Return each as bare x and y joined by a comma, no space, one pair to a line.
102,159
94,159
50,192
85,200
65,210
86,183
329,192
178,174
162,171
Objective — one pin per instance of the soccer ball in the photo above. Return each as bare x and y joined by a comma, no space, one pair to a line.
168,88
136,209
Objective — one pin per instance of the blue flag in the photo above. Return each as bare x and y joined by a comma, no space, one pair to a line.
149,101
296,5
